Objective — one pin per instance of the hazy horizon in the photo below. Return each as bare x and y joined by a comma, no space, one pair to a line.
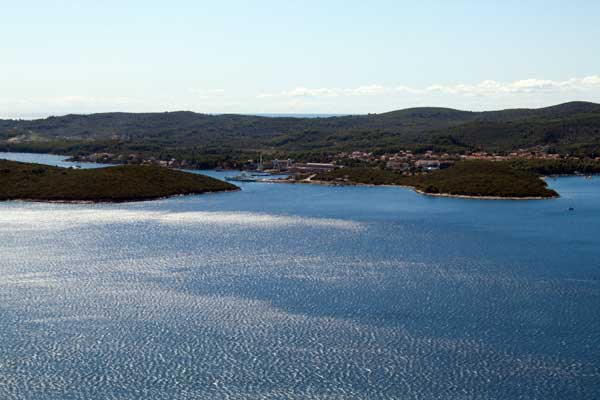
33,116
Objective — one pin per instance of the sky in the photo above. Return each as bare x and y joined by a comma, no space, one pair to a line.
273,56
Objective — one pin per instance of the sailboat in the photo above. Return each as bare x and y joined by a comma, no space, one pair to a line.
259,169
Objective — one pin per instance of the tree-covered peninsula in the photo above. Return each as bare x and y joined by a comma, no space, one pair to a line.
35,182
481,179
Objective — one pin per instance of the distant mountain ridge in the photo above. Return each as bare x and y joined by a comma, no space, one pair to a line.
572,127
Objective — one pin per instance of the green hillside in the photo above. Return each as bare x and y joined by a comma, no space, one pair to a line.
207,140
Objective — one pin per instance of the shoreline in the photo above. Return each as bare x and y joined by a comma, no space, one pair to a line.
448,195
31,182
139,200
464,196
69,159
305,181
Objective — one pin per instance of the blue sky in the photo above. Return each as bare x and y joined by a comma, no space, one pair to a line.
295,56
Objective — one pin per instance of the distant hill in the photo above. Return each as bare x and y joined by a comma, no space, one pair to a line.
558,111
570,128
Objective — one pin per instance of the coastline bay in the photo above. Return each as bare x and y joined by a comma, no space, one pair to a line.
302,291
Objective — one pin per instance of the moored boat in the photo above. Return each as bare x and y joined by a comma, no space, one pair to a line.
243,177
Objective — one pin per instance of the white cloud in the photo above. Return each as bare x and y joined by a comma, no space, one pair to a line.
373,97
369,90
301,91
305,92
593,80
483,88
532,85
406,89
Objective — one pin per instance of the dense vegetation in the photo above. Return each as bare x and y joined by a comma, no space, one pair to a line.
362,175
112,184
558,167
467,178
210,140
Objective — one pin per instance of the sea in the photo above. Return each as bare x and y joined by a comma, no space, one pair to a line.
284,291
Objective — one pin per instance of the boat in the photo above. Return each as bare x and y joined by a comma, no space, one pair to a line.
260,169
243,177
259,173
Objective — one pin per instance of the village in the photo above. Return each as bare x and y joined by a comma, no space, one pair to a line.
405,162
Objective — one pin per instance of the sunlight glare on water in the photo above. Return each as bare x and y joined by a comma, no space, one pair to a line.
284,291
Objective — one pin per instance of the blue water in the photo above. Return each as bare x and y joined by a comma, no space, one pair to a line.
300,291
54,160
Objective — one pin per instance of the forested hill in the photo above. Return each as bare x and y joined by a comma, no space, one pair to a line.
571,127
188,126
